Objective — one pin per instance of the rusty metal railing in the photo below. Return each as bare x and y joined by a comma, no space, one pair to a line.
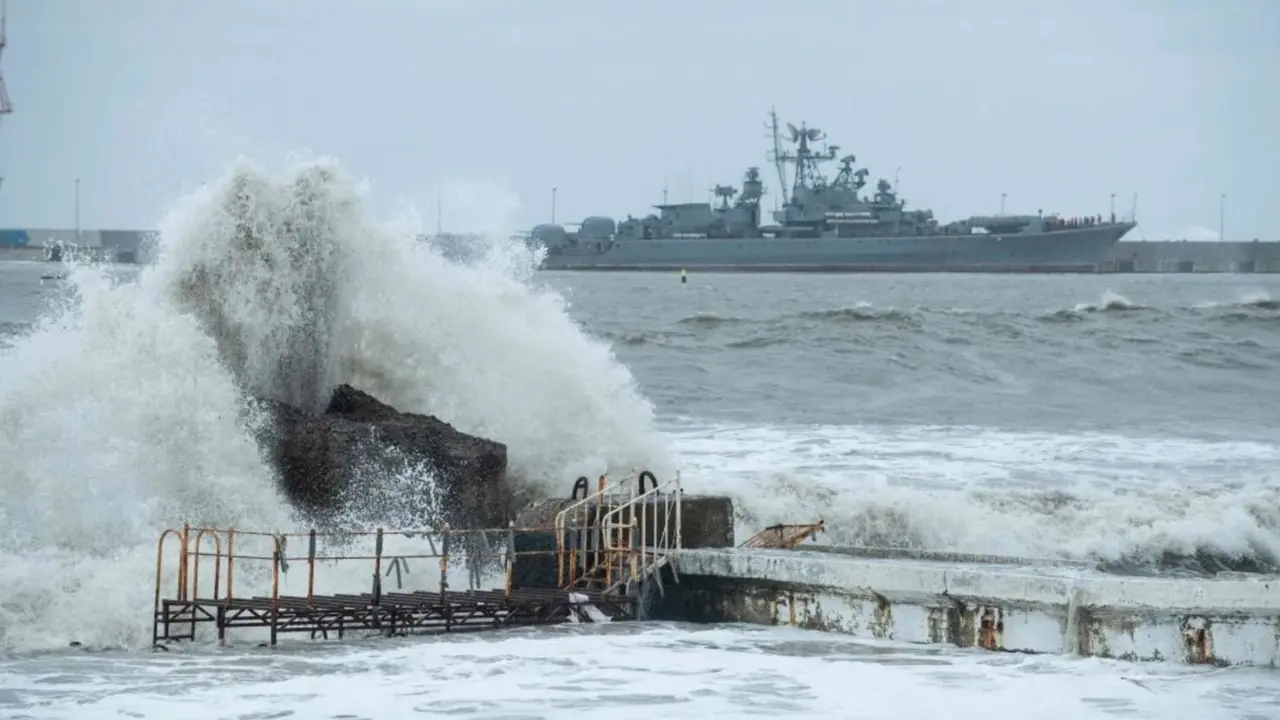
617,533
618,530
637,539
582,514
784,536
226,550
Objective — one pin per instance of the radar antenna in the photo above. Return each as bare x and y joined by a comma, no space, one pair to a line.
725,193
805,158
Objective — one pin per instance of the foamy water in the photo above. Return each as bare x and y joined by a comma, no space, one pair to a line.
1112,499
626,672
129,410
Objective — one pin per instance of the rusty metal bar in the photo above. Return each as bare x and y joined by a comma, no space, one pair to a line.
415,612
195,562
784,536
182,563
377,568
231,545
156,620
311,565
510,559
444,563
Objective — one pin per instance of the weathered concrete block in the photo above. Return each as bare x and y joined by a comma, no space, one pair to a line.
1015,604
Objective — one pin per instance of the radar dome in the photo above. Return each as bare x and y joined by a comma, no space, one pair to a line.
550,235
598,228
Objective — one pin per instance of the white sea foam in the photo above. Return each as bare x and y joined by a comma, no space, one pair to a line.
1084,497
629,671
125,412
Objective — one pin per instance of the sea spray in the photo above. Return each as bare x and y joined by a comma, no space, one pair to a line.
131,409
116,421
304,290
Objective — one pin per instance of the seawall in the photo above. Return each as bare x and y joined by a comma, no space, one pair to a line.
997,604
1193,257
1167,256
41,244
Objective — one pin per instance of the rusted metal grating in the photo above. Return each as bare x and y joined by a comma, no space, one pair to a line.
393,613
784,537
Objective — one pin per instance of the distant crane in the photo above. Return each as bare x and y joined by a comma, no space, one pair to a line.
6,107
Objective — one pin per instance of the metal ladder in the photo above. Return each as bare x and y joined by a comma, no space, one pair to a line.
618,539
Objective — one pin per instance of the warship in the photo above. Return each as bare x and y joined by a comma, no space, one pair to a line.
825,225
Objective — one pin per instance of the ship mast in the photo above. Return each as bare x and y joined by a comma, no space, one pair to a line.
778,156
806,160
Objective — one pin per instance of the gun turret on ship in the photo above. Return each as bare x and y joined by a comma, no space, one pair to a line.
825,225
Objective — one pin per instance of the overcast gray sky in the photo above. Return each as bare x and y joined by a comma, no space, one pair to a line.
1059,103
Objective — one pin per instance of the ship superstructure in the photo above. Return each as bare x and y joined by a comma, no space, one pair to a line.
823,223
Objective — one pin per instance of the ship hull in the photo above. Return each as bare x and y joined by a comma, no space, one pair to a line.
1061,251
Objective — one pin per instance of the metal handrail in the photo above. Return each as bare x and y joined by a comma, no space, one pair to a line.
191,539
568,556
601,511
637,555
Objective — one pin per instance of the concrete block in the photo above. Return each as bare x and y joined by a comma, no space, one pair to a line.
996,604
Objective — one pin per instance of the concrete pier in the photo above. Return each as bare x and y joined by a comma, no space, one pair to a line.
127,246
992,603
1127,256
1181,256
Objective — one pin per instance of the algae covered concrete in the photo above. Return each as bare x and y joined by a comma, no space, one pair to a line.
1012,606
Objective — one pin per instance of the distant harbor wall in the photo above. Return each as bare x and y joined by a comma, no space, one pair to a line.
1181,256
1163,256
129,246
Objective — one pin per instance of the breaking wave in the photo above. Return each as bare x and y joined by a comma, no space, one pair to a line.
128,409
1116,430
1135,506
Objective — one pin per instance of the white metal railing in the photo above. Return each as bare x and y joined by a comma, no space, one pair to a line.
573,553
620,536
638,539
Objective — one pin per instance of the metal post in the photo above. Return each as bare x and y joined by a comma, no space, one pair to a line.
1002,197
77,212
511,556
444,567
553,206
377,569
311,567
1222,217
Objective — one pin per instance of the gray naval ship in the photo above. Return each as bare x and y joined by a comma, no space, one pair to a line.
825,225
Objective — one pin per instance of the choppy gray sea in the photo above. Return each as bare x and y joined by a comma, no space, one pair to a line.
1131,420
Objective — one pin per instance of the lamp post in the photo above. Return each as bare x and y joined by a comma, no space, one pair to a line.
1222,217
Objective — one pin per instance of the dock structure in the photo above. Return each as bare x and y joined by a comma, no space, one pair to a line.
635,549
1183,256
983,602
612,544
